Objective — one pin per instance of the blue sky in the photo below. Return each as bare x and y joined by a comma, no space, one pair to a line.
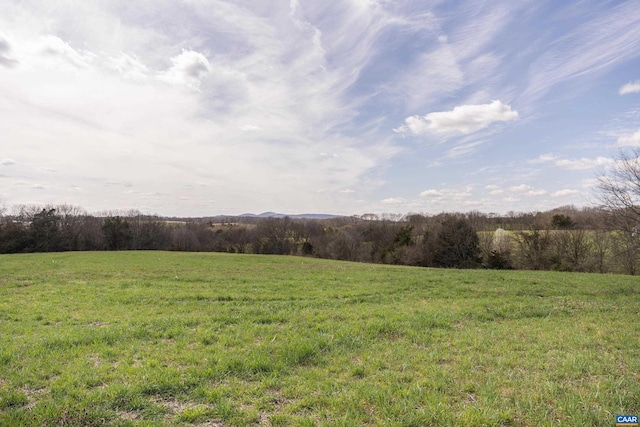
204,107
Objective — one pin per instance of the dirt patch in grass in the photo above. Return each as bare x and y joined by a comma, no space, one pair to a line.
175,407
178,409
127,415
34,391
97,324
33,395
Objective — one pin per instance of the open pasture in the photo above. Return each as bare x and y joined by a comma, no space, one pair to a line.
158,338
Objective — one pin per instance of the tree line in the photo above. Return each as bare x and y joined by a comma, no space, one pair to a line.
604,239
564,239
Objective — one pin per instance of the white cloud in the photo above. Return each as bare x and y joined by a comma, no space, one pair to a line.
630,140
7,162
583,163
128,67
565,192
520,188
447,193
59,54
431,193
543,158
274,85
525,190
463,119
633,87
511,199
188,69
494,190
589,183
574,164
393,201
251,133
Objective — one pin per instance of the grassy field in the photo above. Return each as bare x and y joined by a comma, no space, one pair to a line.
157,338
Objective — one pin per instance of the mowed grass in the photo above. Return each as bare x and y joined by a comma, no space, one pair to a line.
157,338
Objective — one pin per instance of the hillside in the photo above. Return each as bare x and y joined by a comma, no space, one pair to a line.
163,338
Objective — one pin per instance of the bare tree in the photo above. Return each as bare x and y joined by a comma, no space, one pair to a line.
619,191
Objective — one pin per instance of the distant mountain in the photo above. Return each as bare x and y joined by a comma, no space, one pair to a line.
299,216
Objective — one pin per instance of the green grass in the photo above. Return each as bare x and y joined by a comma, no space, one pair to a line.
156,338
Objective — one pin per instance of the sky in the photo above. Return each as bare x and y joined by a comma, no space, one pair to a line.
207,107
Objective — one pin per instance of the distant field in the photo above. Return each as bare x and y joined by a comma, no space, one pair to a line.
157,338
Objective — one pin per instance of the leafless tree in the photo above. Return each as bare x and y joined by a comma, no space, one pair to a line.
619,189
619,192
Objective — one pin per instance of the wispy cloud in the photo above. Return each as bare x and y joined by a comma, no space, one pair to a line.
252,127
431,76
240,106
464,148
592,47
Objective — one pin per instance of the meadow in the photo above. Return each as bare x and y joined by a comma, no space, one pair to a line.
211,339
